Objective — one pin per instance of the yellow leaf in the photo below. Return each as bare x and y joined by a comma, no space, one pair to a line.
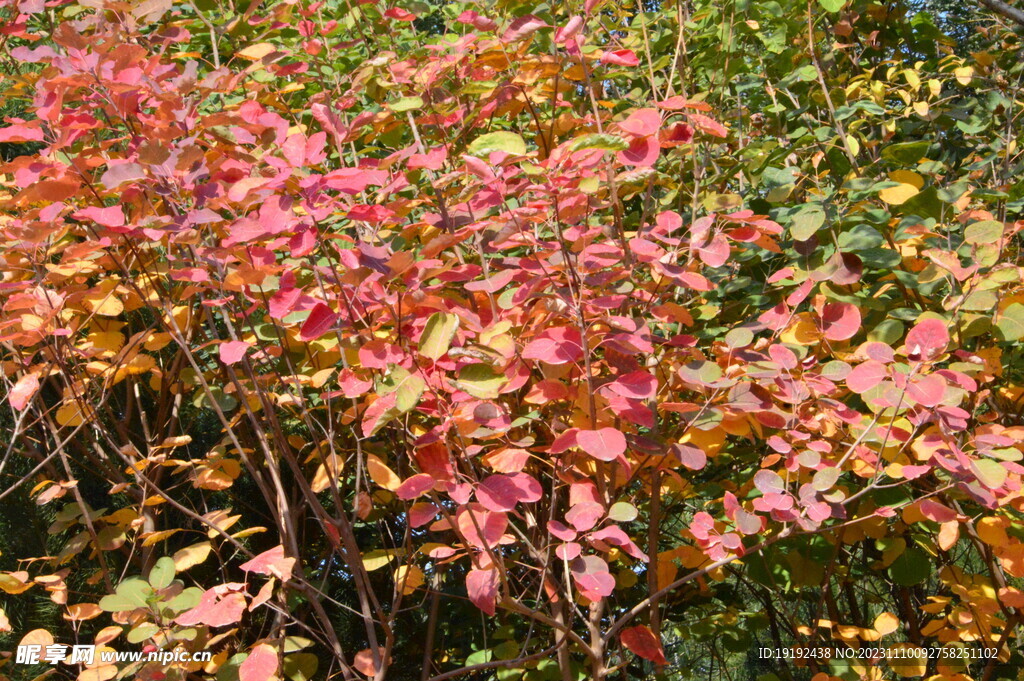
802,331
102,301
948,535
83,611
70,414
327,471
992,531
381,474
156,537
257,51
912,78
907,177
901,193
408,578
964,74
886,623
921,109
14,583
190,556
375,560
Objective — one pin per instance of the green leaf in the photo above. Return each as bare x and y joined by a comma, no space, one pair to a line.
595,141
300,666
990,473
409,391
622,512
406,104
481,381
905,153
911,567
832,5
130,594
509,142
162,573
824,479
142,632
984,232
438,334
807,221
1010,326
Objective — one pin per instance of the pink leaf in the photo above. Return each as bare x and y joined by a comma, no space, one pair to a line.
421,513
21,133
606,444
272,562
502,492
866,376
585,515
620,58
690,456
927,340
213,610
840,321
481,528
707,125
641,641
927,391
321,319
416,486
642,123
232,352
23,391
260,665
557,345
482,589
108,217
364,662
638,385
523,27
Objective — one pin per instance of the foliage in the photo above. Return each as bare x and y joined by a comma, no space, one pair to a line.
508,341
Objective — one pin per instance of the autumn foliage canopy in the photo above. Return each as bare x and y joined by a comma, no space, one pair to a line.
373,340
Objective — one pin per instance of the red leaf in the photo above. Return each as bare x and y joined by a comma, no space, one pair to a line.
606,444
260,665
416,486
399,14
840,321
927,340
482,588
320,320
557,345
232,352
641,641
272,562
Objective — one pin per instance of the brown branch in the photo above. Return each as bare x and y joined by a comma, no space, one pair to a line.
1004,10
